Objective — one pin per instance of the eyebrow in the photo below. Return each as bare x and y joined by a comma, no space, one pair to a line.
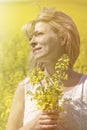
35,32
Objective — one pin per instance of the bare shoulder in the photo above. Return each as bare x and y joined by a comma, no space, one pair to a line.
81,78
85,79
85,76
23,83
19,95
21,86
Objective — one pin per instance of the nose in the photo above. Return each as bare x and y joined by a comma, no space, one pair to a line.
33,42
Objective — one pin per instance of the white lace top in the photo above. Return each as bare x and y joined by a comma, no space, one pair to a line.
75,115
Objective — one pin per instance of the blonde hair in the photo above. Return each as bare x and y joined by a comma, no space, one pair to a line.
63,25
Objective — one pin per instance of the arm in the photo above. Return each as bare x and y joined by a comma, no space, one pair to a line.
15,119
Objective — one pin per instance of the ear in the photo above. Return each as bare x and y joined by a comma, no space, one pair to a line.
63,38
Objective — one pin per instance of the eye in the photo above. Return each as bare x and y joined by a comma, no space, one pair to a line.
39,33
30,38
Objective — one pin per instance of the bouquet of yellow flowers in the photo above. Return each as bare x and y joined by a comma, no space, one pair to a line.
49,94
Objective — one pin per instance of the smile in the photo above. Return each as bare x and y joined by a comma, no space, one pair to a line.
36,49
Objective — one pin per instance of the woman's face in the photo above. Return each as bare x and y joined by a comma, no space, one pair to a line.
45,43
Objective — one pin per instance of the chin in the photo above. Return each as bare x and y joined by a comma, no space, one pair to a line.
40,58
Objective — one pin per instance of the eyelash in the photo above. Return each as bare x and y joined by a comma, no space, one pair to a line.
30,38
37,34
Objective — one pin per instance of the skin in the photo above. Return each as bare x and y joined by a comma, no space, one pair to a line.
44,41
47,47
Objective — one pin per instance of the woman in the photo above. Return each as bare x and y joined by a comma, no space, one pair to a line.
51,35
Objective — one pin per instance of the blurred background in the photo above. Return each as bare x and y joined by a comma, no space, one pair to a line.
14,46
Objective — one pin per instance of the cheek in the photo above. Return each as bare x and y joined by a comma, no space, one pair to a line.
53,43
49,40
45,39
49,43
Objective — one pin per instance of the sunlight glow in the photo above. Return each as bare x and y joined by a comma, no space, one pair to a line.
14,0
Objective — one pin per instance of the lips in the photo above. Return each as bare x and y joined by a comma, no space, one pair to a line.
36,49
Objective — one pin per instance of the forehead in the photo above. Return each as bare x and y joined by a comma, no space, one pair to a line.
42,26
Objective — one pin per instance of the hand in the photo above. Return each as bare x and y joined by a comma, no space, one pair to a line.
46,120
49,120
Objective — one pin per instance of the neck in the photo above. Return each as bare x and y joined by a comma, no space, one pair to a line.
50,68
50,65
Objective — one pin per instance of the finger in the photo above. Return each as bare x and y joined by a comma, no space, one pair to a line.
48,127
48,122
51,112
51,117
